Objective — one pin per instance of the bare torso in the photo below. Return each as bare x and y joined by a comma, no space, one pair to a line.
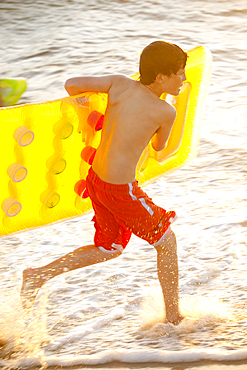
133,115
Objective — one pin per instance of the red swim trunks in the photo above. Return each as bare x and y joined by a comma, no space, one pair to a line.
121,210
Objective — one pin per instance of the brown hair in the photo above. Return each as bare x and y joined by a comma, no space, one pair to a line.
160,57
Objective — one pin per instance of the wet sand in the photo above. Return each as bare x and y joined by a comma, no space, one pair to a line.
198,365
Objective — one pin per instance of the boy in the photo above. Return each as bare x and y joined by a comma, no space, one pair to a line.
134,116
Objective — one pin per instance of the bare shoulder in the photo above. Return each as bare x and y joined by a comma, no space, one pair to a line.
121,78
121,82
121,88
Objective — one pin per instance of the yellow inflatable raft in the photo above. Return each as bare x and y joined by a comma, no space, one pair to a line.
47,149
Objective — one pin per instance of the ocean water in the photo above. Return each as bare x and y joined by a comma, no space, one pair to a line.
113,312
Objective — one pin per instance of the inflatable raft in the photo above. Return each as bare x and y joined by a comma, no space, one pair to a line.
47,149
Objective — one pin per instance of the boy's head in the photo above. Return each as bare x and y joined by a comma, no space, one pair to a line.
160,57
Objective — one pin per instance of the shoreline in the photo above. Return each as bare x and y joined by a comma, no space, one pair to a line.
200,365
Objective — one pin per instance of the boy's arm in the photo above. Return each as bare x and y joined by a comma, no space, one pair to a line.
161,136
78,85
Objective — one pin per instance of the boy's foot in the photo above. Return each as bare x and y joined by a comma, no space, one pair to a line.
176,321
31,283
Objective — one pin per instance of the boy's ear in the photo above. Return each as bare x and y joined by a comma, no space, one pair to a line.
160,78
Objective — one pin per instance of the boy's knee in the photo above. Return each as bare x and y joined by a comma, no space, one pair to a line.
168,244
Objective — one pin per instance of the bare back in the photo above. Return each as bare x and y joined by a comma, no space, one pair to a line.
133,116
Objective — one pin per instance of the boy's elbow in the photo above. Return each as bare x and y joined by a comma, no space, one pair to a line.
69,86
158,147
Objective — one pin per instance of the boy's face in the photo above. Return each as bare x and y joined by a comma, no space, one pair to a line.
176,81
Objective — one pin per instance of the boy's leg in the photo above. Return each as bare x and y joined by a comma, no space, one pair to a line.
34,278
167,267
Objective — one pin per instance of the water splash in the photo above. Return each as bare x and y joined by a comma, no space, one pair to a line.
200,312
21,334
11,324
